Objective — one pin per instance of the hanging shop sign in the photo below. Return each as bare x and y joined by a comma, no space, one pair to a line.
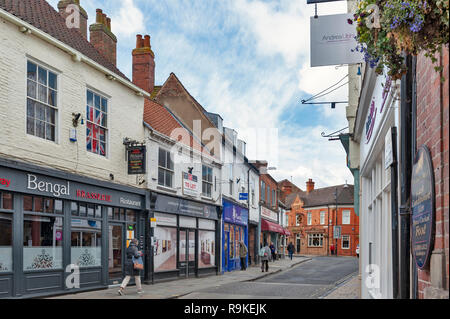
190,185
423,207
136,159
332,41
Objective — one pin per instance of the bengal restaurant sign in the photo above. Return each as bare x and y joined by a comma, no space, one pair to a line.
136,160
42,185
423,207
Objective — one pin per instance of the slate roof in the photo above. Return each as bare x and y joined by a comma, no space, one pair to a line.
325,196
43,16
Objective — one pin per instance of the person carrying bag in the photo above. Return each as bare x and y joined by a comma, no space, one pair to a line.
133,266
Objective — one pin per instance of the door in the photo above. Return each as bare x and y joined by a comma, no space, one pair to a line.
187,252
116,253
298,243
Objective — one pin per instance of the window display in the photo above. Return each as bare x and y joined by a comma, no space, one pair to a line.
5,242
206,248
86,242
165,250
42,242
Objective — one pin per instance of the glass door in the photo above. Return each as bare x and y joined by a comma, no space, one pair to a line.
186,257
116,253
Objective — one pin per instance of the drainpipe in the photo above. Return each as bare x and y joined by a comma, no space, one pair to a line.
405,179
394,215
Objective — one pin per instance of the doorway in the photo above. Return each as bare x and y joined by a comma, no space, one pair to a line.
298,243
116,253
186,256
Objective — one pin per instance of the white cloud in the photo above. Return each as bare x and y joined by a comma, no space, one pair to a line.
128,21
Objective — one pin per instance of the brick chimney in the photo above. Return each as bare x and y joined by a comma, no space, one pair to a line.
102,38
309,185
287,189
144,64
68,15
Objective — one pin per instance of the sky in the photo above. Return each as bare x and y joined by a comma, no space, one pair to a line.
249,61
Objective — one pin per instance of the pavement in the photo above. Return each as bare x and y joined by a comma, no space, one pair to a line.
181,287
348,288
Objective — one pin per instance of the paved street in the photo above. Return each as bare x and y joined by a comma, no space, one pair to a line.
311,279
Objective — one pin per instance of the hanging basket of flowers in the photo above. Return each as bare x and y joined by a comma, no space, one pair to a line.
387,29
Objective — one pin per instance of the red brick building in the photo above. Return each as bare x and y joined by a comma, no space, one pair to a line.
432,123
312,216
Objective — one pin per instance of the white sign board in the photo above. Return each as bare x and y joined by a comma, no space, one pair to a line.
332,39
190,185
271,215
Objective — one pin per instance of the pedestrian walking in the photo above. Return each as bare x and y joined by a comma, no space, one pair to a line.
273,252
243,254
332,249
132,267
264,253
290,248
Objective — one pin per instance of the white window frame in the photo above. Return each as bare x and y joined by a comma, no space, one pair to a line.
348,240
106,113
346,221
311,237
165,168
309,219
45,104
322,218
207,182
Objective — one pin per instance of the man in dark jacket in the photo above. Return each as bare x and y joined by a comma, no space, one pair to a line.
273,251
290,249
131,252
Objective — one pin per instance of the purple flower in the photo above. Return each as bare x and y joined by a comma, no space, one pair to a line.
349,21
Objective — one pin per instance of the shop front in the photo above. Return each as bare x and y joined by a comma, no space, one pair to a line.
185,238
235,230
271,231
53,224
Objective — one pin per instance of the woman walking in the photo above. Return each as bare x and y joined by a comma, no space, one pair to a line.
264,253
132,253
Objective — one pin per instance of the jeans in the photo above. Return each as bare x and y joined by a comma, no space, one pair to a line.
243,263
266,262
126,280
290,254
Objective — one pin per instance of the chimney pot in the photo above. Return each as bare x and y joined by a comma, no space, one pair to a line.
102,38
99,16
138,41
147,41
108,23
309,185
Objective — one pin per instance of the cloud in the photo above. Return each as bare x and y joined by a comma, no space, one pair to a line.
129,19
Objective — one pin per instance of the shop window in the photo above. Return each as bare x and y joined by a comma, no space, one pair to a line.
315,240
6,201
131,216
86,242
165,250
206,249
42,242
345,242
40,204
6,223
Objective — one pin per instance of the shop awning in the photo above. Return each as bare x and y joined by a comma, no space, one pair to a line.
271,227
287,232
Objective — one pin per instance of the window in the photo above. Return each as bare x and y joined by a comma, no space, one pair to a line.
165,249
6,201
6,223
345,242
42,242
309,218
274,198
165,168
207,181
231,187
268,194
263,191
346,217
298,220
206,249
315,240
322,218
86,242
96,123
42,107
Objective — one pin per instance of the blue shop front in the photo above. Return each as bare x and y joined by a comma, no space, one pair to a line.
235,230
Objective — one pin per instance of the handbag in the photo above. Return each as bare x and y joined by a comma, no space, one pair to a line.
138,263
